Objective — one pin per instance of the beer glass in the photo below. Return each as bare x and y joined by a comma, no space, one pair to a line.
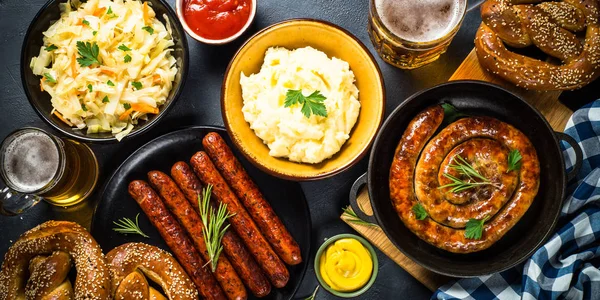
35,165
411,33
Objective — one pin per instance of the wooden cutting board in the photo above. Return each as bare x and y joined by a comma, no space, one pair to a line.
547,103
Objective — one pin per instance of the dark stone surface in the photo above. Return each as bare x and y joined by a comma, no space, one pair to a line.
200,105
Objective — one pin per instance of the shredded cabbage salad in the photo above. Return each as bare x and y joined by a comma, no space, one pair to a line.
106,64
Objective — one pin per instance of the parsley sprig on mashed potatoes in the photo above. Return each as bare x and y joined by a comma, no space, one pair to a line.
106,64
311,104
286,130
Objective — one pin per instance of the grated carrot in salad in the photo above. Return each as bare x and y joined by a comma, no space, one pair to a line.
145,12
139,107
59,116
121,42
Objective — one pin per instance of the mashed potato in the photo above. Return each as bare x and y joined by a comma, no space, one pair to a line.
285,130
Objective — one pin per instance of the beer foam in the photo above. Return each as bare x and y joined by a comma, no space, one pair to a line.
419,20
30,161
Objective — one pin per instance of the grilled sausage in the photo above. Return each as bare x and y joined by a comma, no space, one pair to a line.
259,209
242,222
191,222
490,157
176,239
238,255
409,186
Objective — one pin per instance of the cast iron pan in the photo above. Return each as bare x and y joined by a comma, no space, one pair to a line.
472,98
286,197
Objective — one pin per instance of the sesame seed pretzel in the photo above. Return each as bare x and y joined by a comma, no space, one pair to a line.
550,26
131,263
62,242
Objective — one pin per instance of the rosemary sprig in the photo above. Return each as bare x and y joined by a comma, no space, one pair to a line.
313,295
353,218
213,228
465,168
126,226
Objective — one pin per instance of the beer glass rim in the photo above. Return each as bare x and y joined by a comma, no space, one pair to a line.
57,175
421,45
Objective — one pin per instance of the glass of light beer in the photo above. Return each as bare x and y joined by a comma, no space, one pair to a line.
411,33
35,165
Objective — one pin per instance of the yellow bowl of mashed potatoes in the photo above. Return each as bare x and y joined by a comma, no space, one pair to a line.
244,122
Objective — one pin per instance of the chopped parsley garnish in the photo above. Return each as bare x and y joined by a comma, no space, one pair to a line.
105,99
83,107
94,32
110,13
149,29
451,113
474,228
50,48
110,83
49,78
514,160
85,22
124,48
88,53
90,88
126,105
311,104
127,58
137,85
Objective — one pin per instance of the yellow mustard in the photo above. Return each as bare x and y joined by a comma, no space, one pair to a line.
346,265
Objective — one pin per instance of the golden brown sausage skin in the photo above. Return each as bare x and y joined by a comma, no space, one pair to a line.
412,182
489,156
176,238
191,222
233,247
258,207
241,221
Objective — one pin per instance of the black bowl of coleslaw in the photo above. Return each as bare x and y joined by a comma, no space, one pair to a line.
41,100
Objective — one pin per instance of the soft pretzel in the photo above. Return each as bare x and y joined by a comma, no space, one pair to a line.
63,242
549,26
48,277
131,263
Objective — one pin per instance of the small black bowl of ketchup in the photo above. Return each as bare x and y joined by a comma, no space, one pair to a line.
216,21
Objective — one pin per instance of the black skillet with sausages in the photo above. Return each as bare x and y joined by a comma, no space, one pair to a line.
448,253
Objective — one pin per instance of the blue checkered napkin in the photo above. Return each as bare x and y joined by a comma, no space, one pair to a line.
567,266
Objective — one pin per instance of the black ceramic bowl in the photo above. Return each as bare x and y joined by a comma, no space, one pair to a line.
473,98
40,101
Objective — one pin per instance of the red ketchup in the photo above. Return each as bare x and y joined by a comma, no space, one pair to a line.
216,19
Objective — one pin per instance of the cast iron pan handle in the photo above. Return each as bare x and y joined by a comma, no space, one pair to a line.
358,184
578,153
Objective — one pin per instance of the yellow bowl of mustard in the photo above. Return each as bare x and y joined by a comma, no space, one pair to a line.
346,265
